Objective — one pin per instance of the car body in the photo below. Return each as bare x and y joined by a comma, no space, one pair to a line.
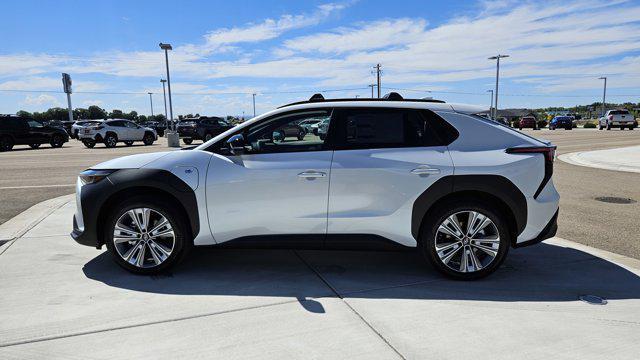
159,127
502,121
410,174
617,118
78,125
201,128
562,122
16,130
289,131
112,131
528,122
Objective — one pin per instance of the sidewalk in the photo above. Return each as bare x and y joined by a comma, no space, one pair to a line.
61,299
619,159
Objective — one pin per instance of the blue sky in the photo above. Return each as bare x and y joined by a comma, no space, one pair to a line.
285,50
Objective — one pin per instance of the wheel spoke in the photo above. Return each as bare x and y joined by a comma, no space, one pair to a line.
136,244
124,239
141,253
165,232
473,216
136,220
490,251
474,260
447,247
464,261
123,229
451,227
489,239
162,223
449,256
482,224
157,258
132,250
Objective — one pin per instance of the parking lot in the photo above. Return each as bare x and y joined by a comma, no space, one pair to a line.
65,300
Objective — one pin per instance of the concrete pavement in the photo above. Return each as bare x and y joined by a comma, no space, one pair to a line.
618,159
63,300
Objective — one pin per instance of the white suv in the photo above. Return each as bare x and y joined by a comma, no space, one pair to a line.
390,173
112,131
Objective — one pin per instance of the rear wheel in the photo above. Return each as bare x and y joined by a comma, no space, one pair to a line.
146,236
6,143
465,240
34,146
110,141
56,141
89,143
187,141
301,135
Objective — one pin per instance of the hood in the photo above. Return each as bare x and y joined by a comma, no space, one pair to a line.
131,161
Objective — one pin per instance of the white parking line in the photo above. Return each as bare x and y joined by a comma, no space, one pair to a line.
35,186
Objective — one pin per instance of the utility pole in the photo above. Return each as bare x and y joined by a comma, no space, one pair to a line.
254,104
497,58
604,94
66,85
378,71
151,101
173,140
164,94
372,86
491,106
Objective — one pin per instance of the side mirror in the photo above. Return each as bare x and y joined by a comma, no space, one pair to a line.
236,143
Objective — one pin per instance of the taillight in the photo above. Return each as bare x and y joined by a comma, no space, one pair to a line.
610,117
549,153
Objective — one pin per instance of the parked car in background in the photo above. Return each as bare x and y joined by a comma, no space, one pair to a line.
16,130
391,167
502,121
112,131
562,122
159,127
323,128
528,122
289,130
202,128
77,126
306,124
617,118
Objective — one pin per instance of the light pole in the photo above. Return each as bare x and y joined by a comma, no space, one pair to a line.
172,137
604,94
254,104
164,94
497,58
151,101
491,106
372,86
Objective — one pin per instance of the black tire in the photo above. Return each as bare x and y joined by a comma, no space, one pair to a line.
551,128
182,242
6,143
90,143
34,146
631,127
322,136
187,141
207,137
110,140
56,141
440,213
301,136
128,142
148,139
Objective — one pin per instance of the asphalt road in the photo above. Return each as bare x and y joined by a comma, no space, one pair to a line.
31,176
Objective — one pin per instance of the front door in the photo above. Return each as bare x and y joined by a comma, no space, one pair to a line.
384,159
274,188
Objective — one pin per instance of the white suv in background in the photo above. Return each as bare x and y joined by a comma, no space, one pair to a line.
112,131
388,173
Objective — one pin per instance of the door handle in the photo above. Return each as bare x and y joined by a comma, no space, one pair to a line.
425,170
310,174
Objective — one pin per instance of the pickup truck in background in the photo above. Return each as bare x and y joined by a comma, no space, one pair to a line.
617,118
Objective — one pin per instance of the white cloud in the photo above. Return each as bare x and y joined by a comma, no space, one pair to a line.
43,99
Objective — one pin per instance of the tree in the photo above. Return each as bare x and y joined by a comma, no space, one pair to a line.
24,114
96,112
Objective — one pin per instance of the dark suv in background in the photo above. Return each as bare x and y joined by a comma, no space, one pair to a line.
201,128
15,130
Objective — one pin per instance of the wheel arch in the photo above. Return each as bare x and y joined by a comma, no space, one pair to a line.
494,189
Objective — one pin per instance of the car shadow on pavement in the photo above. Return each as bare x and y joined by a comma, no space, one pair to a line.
539,273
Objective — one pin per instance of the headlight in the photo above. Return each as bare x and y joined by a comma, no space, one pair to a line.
93,176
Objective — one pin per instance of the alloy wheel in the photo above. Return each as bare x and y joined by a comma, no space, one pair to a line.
144,237
467,241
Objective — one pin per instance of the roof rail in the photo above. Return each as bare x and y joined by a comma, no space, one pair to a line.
392,96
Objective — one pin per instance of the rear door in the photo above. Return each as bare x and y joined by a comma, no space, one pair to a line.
383,160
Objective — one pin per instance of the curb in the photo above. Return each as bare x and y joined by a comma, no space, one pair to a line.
626,262
17,226
575,158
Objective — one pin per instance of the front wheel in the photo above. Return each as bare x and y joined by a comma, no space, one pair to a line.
148,139
146,236
110,141
187,141
465,240
56,141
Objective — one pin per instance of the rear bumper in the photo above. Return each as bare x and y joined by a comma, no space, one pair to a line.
549,231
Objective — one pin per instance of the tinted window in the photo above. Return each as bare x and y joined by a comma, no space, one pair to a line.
117,123
12,123
619,112
376,128
129,124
